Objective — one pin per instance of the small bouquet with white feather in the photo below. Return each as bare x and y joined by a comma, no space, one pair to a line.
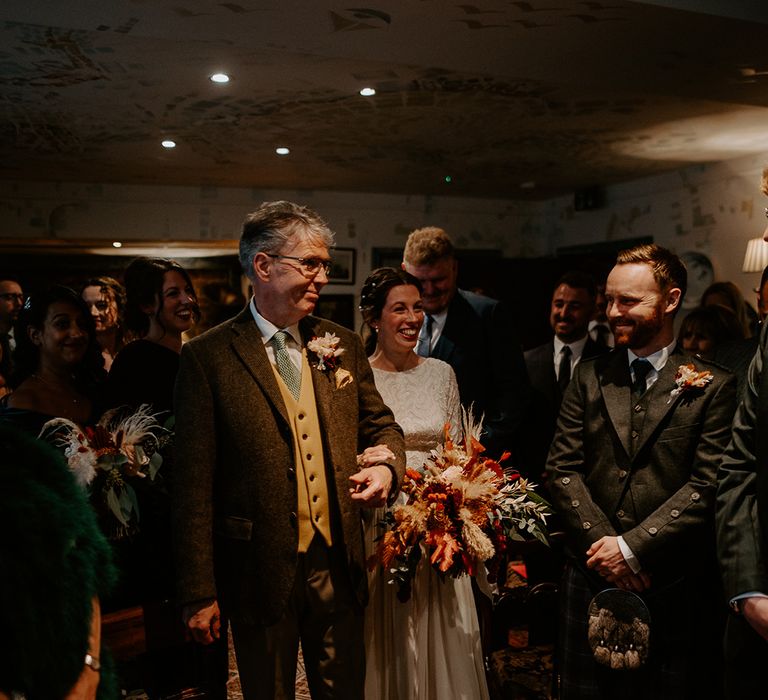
462,509
107,457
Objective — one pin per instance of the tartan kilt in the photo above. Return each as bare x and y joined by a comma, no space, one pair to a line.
684,645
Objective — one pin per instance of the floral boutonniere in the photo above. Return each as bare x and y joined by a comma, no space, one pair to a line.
689,379
327,352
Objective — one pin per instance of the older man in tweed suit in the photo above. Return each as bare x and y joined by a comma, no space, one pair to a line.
632,474
267,490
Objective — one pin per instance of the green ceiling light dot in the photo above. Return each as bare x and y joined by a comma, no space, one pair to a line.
448,178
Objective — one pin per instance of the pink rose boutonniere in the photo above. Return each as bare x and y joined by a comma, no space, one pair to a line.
688,380
327,352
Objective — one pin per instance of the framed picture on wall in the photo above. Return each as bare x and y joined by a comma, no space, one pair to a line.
339,308
342,266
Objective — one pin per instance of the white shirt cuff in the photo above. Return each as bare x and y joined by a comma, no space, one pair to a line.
629,556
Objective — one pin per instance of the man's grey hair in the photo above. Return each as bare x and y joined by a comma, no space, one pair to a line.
273,224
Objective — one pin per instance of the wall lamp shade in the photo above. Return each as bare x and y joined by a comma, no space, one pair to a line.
756,258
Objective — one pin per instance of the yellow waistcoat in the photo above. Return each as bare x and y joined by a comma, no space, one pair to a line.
313,509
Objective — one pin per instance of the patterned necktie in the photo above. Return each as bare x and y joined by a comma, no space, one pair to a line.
425,339
286,369
641,368
564,371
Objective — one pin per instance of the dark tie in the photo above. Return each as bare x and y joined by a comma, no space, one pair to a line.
564,371
425,339
285,368
641,369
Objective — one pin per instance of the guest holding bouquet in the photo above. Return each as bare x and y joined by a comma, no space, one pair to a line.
161,305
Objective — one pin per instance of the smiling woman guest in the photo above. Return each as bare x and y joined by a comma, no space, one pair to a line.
161,306
58,366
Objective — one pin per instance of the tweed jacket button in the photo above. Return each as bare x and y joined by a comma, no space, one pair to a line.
638,408
575,502
635,434
652,530
674,513
619,513
586,524
565,480
622,473
695,496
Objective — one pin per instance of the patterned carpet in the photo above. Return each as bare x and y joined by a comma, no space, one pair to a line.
234,691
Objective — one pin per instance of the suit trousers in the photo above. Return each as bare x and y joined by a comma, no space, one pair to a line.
745,653
322,613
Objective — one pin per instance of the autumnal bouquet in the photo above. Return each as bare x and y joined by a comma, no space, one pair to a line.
461,510
107,457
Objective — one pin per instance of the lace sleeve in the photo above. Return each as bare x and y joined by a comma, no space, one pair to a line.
452,404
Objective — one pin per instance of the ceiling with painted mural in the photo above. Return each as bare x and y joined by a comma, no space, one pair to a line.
498,98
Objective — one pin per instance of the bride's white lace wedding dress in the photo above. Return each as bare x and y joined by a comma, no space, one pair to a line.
429,647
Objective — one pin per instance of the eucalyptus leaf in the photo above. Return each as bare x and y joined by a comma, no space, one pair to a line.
114,505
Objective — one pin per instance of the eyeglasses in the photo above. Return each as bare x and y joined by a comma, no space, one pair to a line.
12,296
309,266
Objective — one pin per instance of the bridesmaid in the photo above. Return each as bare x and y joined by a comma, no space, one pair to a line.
161,305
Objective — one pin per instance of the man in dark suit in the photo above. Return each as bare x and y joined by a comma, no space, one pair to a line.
551,365
475,335
742,529
11,301
632,475
272,409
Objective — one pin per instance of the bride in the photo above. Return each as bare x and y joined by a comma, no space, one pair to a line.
429,647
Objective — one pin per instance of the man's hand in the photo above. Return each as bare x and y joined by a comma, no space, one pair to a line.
755,610
637,583
203,620
371,486
375,455
605,557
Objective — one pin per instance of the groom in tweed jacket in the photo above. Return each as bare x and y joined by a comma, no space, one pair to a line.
632,474
267,491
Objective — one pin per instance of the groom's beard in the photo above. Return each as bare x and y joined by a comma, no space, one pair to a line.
637,333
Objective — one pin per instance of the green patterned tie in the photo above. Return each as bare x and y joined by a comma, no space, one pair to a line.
287,370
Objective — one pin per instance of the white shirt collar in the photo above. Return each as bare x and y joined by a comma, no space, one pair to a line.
268,329
657,359
577,347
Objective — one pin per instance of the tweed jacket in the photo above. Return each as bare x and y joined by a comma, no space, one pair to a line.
742,493
654,486
480,342
235,494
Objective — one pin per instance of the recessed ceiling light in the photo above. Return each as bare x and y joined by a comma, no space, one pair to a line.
367,92
219,78
117,244
282,151
167,143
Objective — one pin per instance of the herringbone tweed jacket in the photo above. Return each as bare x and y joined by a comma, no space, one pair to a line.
234,491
